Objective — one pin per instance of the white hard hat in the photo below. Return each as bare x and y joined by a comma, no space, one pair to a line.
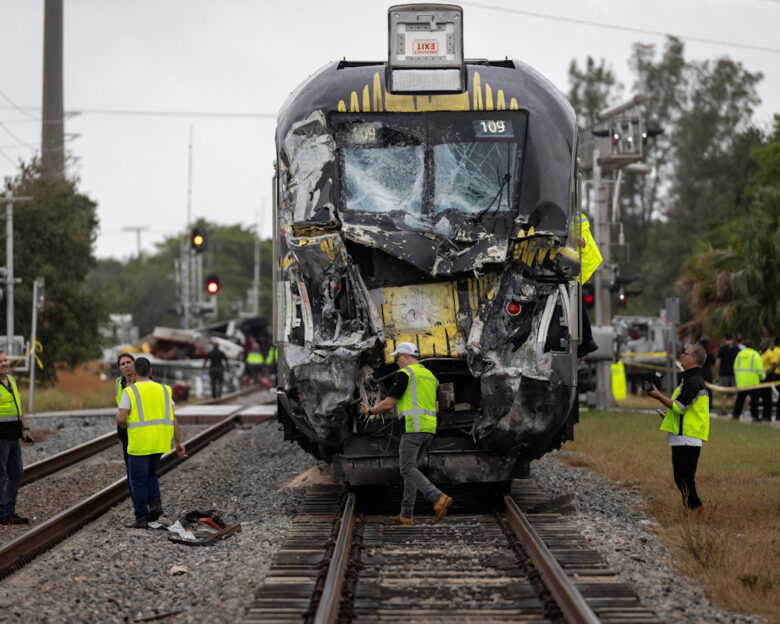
406,348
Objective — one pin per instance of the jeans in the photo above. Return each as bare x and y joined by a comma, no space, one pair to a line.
410,451
144,487
10,475
684,461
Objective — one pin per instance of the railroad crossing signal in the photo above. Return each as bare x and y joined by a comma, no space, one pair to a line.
212,284
198,240
588,296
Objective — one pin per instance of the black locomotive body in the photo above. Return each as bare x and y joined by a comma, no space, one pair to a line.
446,220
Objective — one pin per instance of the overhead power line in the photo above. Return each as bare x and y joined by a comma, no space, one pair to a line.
15,106
154,113
641,31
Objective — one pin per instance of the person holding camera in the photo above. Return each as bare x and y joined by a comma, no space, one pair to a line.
687,422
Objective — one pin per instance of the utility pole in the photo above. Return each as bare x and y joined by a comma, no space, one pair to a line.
37,303
601,282
53,130
186,253
615,142
137,229
8,270
256,282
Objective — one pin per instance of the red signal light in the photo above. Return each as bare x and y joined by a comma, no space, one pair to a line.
212,284
589,299
513,308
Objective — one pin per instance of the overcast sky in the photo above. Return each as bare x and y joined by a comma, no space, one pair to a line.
245,56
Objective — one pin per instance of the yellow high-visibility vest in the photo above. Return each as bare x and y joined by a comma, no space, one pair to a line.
748,370
10,402
618,381
418,403
591,256
150,421
118,389
255,358
695,418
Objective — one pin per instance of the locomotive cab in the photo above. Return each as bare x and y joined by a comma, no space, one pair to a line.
436,209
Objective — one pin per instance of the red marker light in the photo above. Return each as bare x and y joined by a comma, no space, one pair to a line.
513,308
213,288
588,299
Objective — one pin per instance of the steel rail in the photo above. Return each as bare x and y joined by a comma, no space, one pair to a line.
71,456
571,602
66,458
330,600
23,549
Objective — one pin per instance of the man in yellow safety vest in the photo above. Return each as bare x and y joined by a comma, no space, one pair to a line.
13,426
146,409
414,393
748,371
687,422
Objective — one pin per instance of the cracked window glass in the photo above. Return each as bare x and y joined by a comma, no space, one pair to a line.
428,164
474,177
384,180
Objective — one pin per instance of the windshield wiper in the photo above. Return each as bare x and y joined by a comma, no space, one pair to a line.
504,181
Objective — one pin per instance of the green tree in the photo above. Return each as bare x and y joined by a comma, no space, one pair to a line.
146,288
713,140
737,288
54,233
592,88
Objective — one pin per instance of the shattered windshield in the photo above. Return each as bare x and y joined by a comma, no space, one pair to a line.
473,177
426,164
384,180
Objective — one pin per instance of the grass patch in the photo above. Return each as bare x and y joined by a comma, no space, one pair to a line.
733,549
81,388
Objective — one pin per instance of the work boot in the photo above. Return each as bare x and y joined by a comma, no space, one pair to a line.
155,510
401,519
441,507
19,519
14,519
141,523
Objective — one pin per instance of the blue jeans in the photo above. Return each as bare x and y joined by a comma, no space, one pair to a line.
10,475
410,451
144,487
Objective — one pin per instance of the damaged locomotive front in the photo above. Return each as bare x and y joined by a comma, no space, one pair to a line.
445,220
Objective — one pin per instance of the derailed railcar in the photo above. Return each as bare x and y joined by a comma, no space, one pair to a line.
432,201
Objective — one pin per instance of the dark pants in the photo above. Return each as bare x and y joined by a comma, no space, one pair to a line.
144,487
684,461
410,451
755,399
217,377
10,475
587,333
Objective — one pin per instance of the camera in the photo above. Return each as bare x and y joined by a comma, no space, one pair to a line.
647,384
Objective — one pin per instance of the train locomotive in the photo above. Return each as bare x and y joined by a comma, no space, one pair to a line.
428,199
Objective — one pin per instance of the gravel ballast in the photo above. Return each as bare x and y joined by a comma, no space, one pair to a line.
107,573
610,518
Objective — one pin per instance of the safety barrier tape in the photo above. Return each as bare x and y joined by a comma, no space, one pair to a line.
734,389
34,349
650,354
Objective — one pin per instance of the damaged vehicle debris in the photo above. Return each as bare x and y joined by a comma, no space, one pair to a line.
410,208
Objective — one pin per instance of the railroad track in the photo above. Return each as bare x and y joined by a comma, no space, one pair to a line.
72,456
343,562
16,553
